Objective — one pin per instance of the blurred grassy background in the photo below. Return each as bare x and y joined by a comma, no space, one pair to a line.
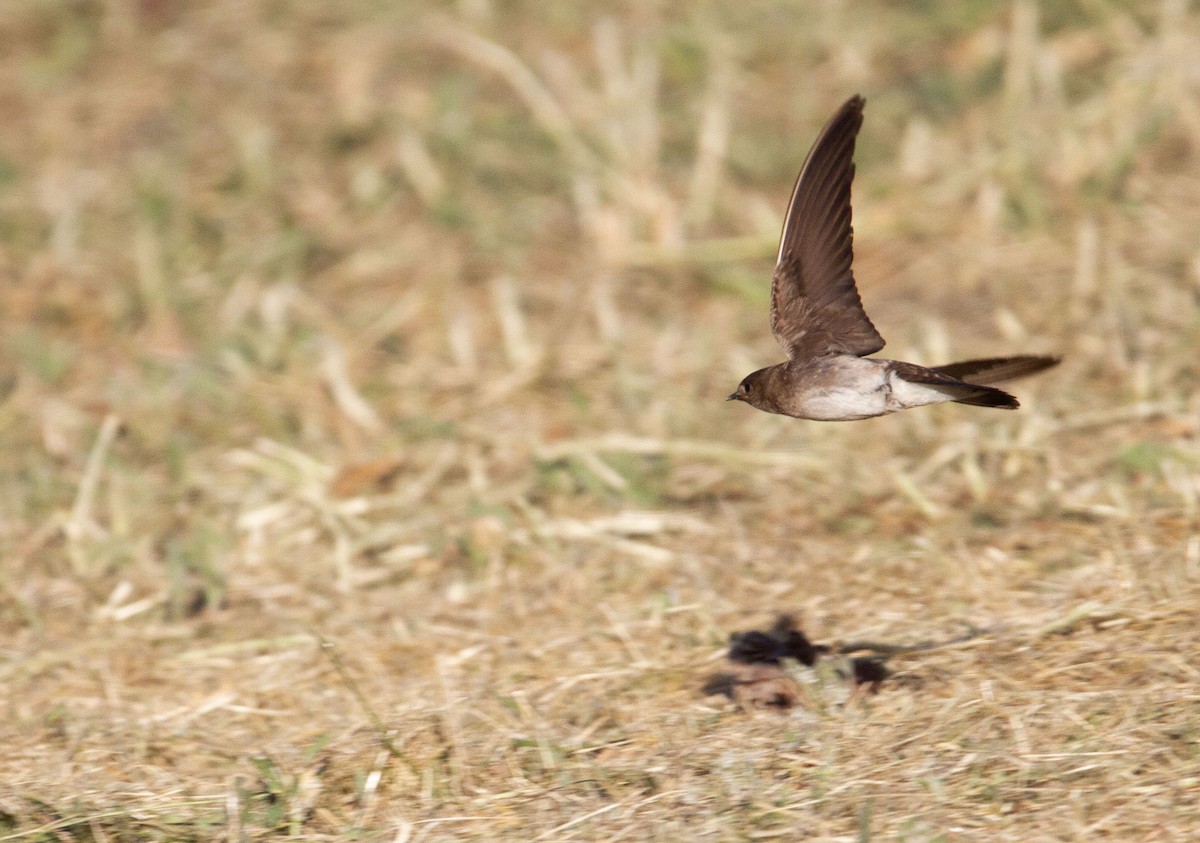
406,328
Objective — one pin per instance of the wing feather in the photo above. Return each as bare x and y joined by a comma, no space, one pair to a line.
995,370
815,307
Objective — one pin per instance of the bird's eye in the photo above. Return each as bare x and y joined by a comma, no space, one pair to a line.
742,388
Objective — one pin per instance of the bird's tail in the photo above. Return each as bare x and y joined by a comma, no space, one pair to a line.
987,396
953,388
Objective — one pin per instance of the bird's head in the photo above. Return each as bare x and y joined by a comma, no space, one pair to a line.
753,390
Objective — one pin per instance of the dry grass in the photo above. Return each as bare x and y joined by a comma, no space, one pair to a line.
365,468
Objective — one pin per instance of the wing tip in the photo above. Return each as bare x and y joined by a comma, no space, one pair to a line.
850,112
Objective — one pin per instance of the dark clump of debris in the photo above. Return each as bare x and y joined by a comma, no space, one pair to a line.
761,676
784,641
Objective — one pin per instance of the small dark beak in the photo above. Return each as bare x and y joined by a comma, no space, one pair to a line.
733,396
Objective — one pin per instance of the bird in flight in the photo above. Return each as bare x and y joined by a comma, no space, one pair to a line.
819,320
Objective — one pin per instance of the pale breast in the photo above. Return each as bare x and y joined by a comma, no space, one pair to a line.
851,388
845,405
844,389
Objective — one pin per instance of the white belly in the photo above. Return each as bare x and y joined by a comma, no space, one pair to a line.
871,390
847,404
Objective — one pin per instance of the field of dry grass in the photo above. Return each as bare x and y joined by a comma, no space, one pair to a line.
366,473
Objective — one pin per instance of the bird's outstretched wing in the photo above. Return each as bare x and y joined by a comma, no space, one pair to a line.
994,370
815,308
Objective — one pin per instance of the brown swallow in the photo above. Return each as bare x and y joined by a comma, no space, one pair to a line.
819,320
